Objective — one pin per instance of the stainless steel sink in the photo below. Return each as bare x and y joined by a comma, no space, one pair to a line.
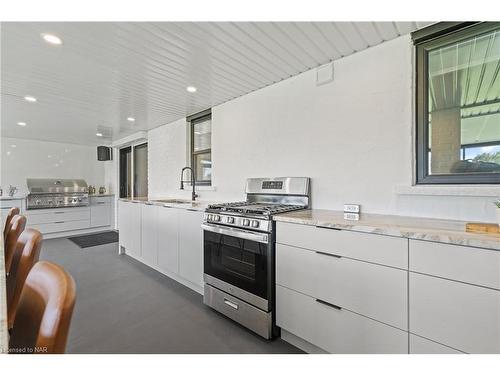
174,201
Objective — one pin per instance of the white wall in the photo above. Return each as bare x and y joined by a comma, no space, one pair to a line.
39,159
353,137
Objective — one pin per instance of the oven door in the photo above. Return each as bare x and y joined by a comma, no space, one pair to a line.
238,262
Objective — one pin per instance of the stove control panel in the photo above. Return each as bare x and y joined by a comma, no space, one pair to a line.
239,221
35,201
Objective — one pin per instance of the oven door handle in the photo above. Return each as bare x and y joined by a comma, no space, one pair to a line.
244,234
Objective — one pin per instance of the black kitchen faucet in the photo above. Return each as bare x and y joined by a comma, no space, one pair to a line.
193,194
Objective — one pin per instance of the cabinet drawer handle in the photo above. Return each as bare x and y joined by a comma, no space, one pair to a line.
59,212
328,304
101,202
231,304
329,255
325,227
58,222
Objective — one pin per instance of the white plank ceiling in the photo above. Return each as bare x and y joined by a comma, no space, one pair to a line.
105,72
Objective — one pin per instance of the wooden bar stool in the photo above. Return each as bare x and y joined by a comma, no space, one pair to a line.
18,223
44,311
12,212
25,256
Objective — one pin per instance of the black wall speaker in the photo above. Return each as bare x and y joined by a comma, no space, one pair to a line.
104,153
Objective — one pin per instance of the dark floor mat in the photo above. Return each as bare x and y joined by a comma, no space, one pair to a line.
95,239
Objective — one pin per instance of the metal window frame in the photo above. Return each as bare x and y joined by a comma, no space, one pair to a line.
437,36
131,146
192,121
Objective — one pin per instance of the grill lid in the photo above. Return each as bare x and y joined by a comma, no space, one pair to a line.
56,185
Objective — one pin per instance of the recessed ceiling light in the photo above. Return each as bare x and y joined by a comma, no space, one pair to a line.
8,152
191,89
52,39
131,119
30,99
13,146
98,134
21,123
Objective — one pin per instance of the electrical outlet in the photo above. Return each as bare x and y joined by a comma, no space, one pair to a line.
354,208
351,216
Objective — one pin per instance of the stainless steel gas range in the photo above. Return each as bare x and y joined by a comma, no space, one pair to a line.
239,251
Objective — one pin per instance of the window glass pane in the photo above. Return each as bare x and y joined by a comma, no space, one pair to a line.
464,106
141,170
126,172
203,166
202,135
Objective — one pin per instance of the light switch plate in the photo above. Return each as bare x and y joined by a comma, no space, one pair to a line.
354,208
324,74
351,216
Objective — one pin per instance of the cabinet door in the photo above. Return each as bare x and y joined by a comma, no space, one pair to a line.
378,292
462,316
335,330
168,241
124,232
100,215
149,234
130,227
190,246
419,345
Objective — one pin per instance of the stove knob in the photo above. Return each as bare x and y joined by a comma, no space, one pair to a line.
209,217
230,220
216,217
38,201
246,222
255,223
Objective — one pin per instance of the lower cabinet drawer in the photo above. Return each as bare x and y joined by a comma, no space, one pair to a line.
333,330
378,292
61,226
419,345
38,217
459,315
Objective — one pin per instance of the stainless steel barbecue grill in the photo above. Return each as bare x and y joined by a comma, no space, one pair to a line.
56,193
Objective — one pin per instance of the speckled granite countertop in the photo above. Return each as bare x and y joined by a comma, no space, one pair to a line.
187,204
427,229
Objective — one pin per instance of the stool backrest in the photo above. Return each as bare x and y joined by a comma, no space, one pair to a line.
25,256
17,226
44,311
12,212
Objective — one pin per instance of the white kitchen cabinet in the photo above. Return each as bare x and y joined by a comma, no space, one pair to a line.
461,263
462,316
168,239
100,211
54,220
149,234
419,345
386,250
191,246
6,205
335,330
376,291
129,224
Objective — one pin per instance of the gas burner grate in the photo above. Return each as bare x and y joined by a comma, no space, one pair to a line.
255,208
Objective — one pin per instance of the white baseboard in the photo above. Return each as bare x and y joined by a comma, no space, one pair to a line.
70,233
301,343
197,288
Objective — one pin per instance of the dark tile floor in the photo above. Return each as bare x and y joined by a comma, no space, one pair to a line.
124,306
